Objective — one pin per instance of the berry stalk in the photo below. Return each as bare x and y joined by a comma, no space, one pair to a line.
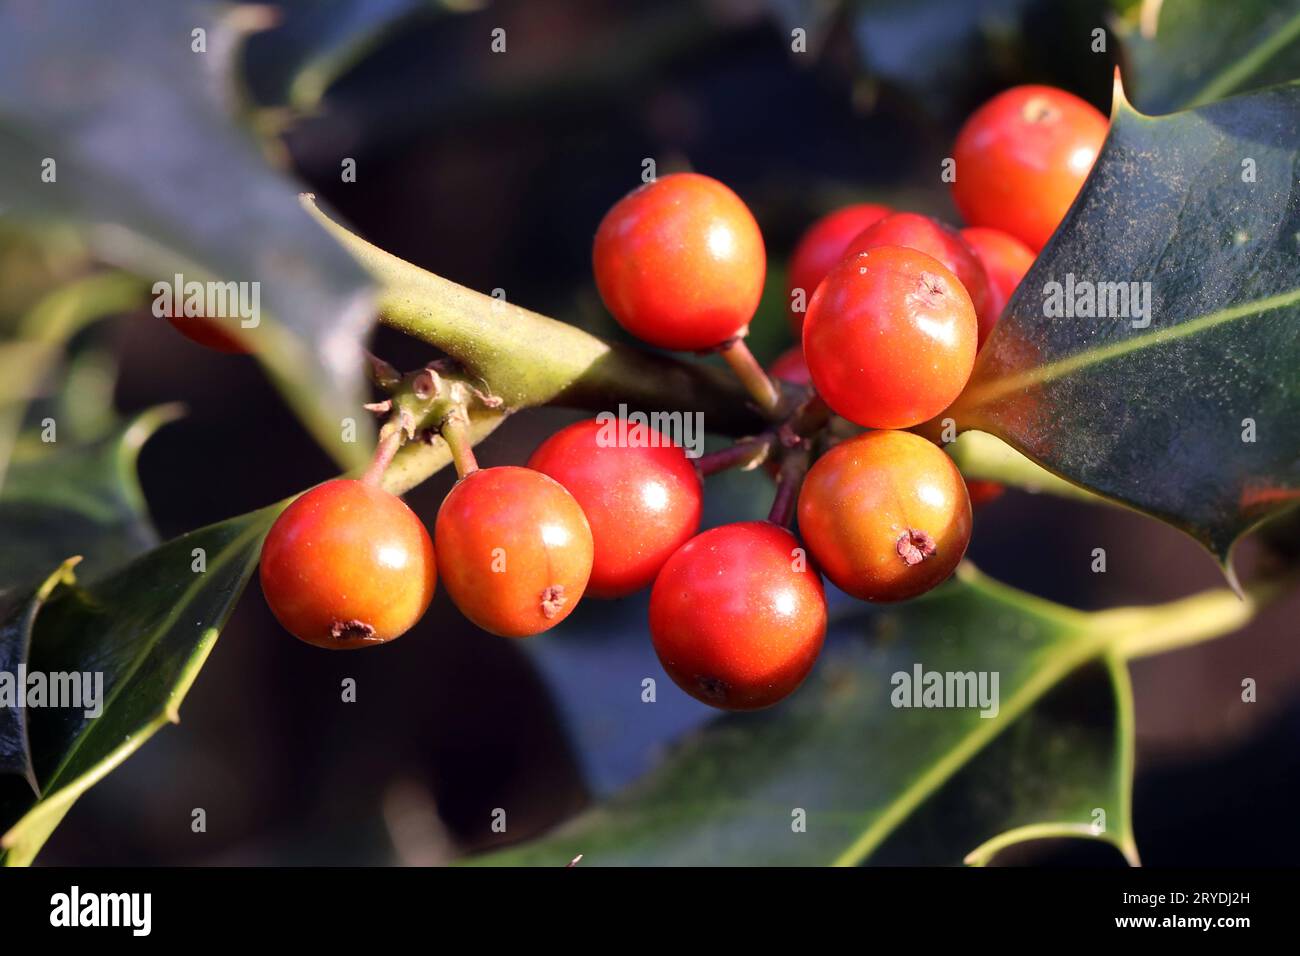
757,383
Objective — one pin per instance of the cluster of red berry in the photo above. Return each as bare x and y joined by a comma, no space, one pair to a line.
899,306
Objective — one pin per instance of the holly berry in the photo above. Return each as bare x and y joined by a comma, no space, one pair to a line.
641,495
885,515
791,367
211,333
737,616
914,231
1006,260
890,338
514,550
982,492
821,247
1022,157
347,565
680,262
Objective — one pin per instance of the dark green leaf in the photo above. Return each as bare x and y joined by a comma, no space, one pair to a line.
1193,52
295,61
18,609
147,629
149,159
77,500
1201,207
860,767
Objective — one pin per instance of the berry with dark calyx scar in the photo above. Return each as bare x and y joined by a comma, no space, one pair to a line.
1006,260
347,565
885,515
738,616
913,231
1022,157
890,338
820,247
514,550
642,497
680,262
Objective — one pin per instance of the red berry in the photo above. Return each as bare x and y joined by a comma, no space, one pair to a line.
1006,260
890,338
680,262
791,367
347,565
981,492
209,332
885,515
821,247
514,550
913,231
639,491
1021,159
737,616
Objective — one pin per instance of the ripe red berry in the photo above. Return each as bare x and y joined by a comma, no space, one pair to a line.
791,367
641,495
820,248
1021,159
680,262
514,550
347,565
890,338
737,616
982,492
1006,260
913,231
885,515
209,332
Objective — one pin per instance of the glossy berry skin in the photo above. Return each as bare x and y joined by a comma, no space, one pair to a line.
1021,159
680,262
885,515
1006,260
347,565
642,497
210,333
738,616
514,550
823,245
942,242
791,367
890,338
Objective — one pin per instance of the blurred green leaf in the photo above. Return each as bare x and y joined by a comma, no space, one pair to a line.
151,163
78,500
147,629
1190,413
1057,749
316,41
1185,53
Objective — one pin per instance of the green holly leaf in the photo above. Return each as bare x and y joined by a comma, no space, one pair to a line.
856,767
1187,53
1183,402
145,630
18,609
78,499
135,114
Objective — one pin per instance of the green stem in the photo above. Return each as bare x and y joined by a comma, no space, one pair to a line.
1145,631
529,359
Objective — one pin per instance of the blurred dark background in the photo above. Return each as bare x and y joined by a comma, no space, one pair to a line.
494,170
